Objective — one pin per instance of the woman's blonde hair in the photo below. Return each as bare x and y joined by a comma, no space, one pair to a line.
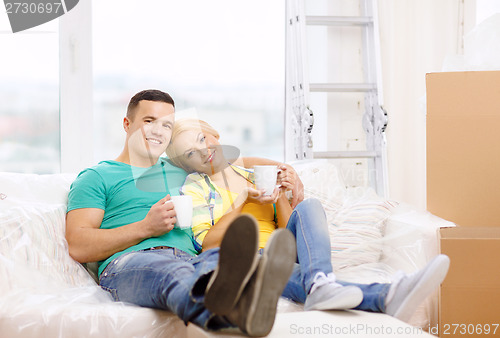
181,126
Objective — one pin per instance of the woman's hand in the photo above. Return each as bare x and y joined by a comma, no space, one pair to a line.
258,197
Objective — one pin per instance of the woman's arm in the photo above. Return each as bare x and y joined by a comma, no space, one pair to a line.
283,209
206,235
214,235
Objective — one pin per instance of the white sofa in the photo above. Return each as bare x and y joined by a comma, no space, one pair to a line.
47,294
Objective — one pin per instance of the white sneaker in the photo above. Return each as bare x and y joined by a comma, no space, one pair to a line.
408,291
326,294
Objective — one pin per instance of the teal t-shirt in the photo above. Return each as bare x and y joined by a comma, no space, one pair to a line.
126,194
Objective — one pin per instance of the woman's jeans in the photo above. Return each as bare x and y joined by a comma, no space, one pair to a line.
309,226
166,279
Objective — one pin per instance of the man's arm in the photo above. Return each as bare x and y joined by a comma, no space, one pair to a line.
298,188
88,243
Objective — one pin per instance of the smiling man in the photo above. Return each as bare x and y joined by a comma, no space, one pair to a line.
118,215
151,121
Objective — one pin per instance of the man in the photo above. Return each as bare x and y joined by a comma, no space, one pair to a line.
118,215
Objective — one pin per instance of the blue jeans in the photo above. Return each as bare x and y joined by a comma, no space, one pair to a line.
165,279
174,280
309,226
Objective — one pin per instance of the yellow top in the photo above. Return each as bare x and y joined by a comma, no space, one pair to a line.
211,202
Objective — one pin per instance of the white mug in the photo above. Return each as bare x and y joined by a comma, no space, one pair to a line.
265,178
183,206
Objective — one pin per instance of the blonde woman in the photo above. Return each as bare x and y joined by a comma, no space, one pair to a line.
222,191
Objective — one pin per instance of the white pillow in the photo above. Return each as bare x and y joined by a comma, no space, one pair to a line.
356,216
22,189
322,180
356,233
34,251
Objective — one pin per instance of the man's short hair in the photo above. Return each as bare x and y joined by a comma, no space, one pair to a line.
148,95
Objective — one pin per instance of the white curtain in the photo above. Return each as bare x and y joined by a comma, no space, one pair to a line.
416,36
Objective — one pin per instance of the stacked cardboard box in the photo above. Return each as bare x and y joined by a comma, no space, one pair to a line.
463,186
470,294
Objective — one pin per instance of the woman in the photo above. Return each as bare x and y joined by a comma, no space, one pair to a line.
222,191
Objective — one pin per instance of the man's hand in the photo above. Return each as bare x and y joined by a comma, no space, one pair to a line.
87,242
289,179
160,218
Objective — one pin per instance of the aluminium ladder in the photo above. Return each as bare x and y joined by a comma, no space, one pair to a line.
299,119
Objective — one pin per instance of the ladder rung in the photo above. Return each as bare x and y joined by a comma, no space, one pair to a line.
342,87
344,154
338,20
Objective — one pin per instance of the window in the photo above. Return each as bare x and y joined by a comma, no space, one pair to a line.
29,96
222,61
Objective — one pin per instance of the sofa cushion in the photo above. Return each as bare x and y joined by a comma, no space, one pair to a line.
22,189
33,247
356,233
322,181
356,216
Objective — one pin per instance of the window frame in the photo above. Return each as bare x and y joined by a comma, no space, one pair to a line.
75,88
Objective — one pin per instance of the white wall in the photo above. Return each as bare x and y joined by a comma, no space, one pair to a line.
485,8
416,36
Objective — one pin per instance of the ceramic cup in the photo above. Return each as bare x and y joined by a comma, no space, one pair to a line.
183,206
265,178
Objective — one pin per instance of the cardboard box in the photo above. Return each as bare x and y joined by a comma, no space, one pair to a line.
470,294
463,147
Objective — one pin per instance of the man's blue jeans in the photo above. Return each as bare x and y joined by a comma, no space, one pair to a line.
166,279
309,226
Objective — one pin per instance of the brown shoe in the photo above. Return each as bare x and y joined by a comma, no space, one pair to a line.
255,311
238,259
